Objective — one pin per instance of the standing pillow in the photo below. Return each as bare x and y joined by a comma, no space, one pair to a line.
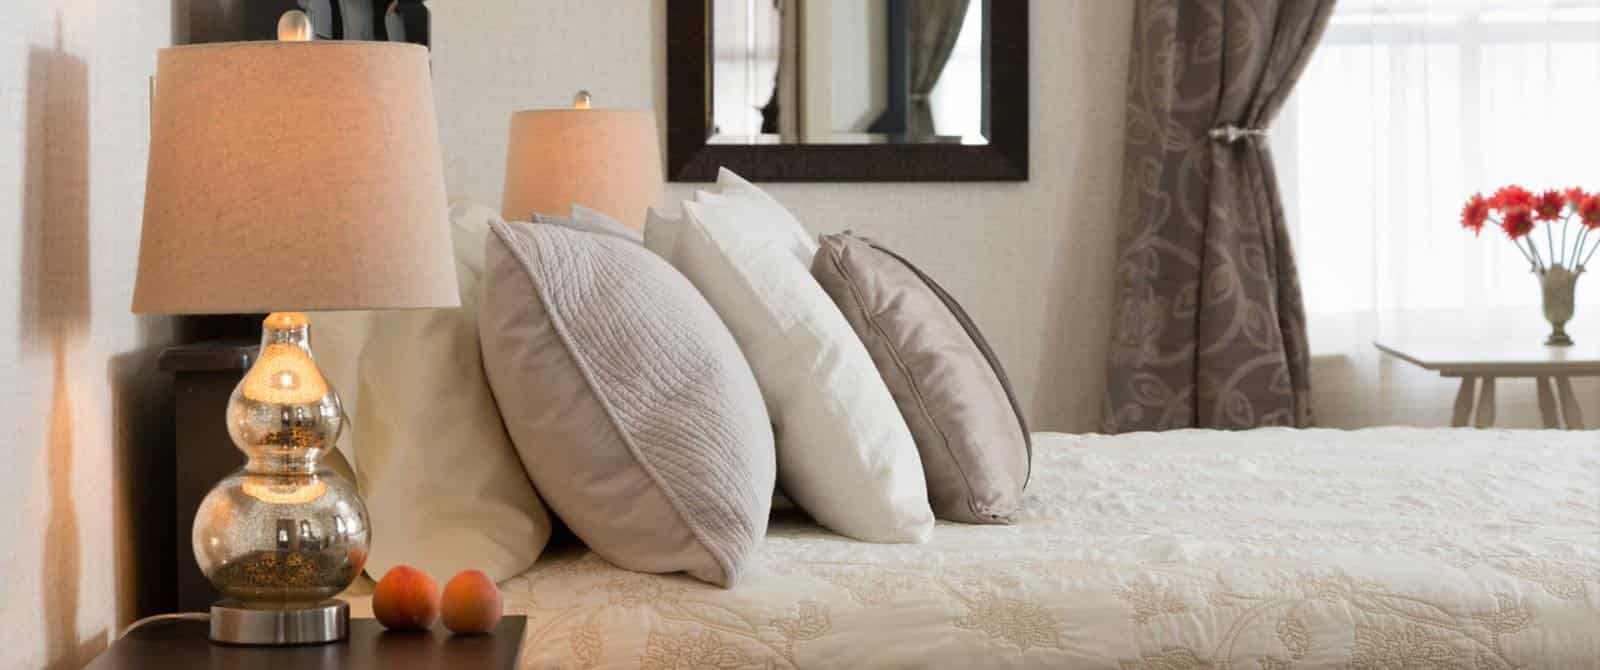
630,404
661,234
777,225
427,429
782,228
844,453
591,221
946,380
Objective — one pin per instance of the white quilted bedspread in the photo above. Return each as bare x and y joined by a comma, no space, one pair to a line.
1387,548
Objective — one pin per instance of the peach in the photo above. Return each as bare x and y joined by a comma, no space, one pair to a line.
471,603
406,599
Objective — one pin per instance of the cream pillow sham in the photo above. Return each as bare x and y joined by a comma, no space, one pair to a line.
591,221
442,482
845,454
661,230
661,233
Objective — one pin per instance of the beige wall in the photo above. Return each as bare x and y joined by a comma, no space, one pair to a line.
82,409
1032,261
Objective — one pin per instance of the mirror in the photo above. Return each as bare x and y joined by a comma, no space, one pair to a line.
848,72
848,90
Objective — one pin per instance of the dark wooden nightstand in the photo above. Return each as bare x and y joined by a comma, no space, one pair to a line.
205,374
185,644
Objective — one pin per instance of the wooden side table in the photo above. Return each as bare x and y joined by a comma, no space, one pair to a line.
186,644
1478,363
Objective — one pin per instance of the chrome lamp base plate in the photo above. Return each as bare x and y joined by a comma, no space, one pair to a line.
234,622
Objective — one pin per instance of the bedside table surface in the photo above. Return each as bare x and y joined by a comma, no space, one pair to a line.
185,644
210,356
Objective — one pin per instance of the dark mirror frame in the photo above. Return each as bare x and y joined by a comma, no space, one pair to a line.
691,159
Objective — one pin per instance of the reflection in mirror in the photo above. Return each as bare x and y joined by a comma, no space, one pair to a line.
849,72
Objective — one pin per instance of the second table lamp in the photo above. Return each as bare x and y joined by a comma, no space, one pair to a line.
604,159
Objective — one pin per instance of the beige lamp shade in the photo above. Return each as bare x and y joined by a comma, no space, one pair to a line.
293,176
603,159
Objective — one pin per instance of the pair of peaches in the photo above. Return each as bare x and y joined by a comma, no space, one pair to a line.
409,599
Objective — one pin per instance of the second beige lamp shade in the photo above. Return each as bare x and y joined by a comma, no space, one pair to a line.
603,159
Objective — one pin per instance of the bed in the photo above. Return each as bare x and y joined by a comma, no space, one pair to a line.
1386,548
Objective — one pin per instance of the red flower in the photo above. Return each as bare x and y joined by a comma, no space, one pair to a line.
1589,211
1512,197
1518,223
1475,213
1575,196
1548,207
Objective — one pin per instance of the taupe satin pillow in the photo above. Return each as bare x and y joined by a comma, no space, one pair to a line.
630,404
974,442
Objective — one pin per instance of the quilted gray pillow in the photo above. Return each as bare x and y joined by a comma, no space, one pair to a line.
631,406
948,383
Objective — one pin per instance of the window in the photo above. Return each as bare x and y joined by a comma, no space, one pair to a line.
1408,107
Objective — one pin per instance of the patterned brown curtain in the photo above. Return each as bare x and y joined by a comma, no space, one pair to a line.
1210,329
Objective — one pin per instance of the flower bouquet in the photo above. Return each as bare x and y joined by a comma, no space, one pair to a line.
1519,212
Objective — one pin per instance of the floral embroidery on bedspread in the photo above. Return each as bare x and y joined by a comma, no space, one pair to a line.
1172,558
1149,600
1021,624
699,626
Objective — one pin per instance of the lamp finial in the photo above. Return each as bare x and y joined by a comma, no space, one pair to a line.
294,26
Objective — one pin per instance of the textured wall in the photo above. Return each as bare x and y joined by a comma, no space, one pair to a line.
1031,261
81,406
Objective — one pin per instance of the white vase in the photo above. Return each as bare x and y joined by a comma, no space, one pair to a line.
1560,285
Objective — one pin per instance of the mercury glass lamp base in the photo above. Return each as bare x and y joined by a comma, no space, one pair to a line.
234,622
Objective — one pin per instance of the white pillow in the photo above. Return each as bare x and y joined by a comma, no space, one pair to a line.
661,233
661,230
594,221
780,224
845,454
443,484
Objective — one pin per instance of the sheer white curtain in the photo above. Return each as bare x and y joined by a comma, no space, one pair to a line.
1408,107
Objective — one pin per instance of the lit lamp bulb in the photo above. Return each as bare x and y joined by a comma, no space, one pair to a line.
582,100
286,493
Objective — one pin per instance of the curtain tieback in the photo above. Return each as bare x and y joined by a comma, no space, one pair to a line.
1231,133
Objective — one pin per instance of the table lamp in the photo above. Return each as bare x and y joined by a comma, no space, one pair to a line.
287,177
604,159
